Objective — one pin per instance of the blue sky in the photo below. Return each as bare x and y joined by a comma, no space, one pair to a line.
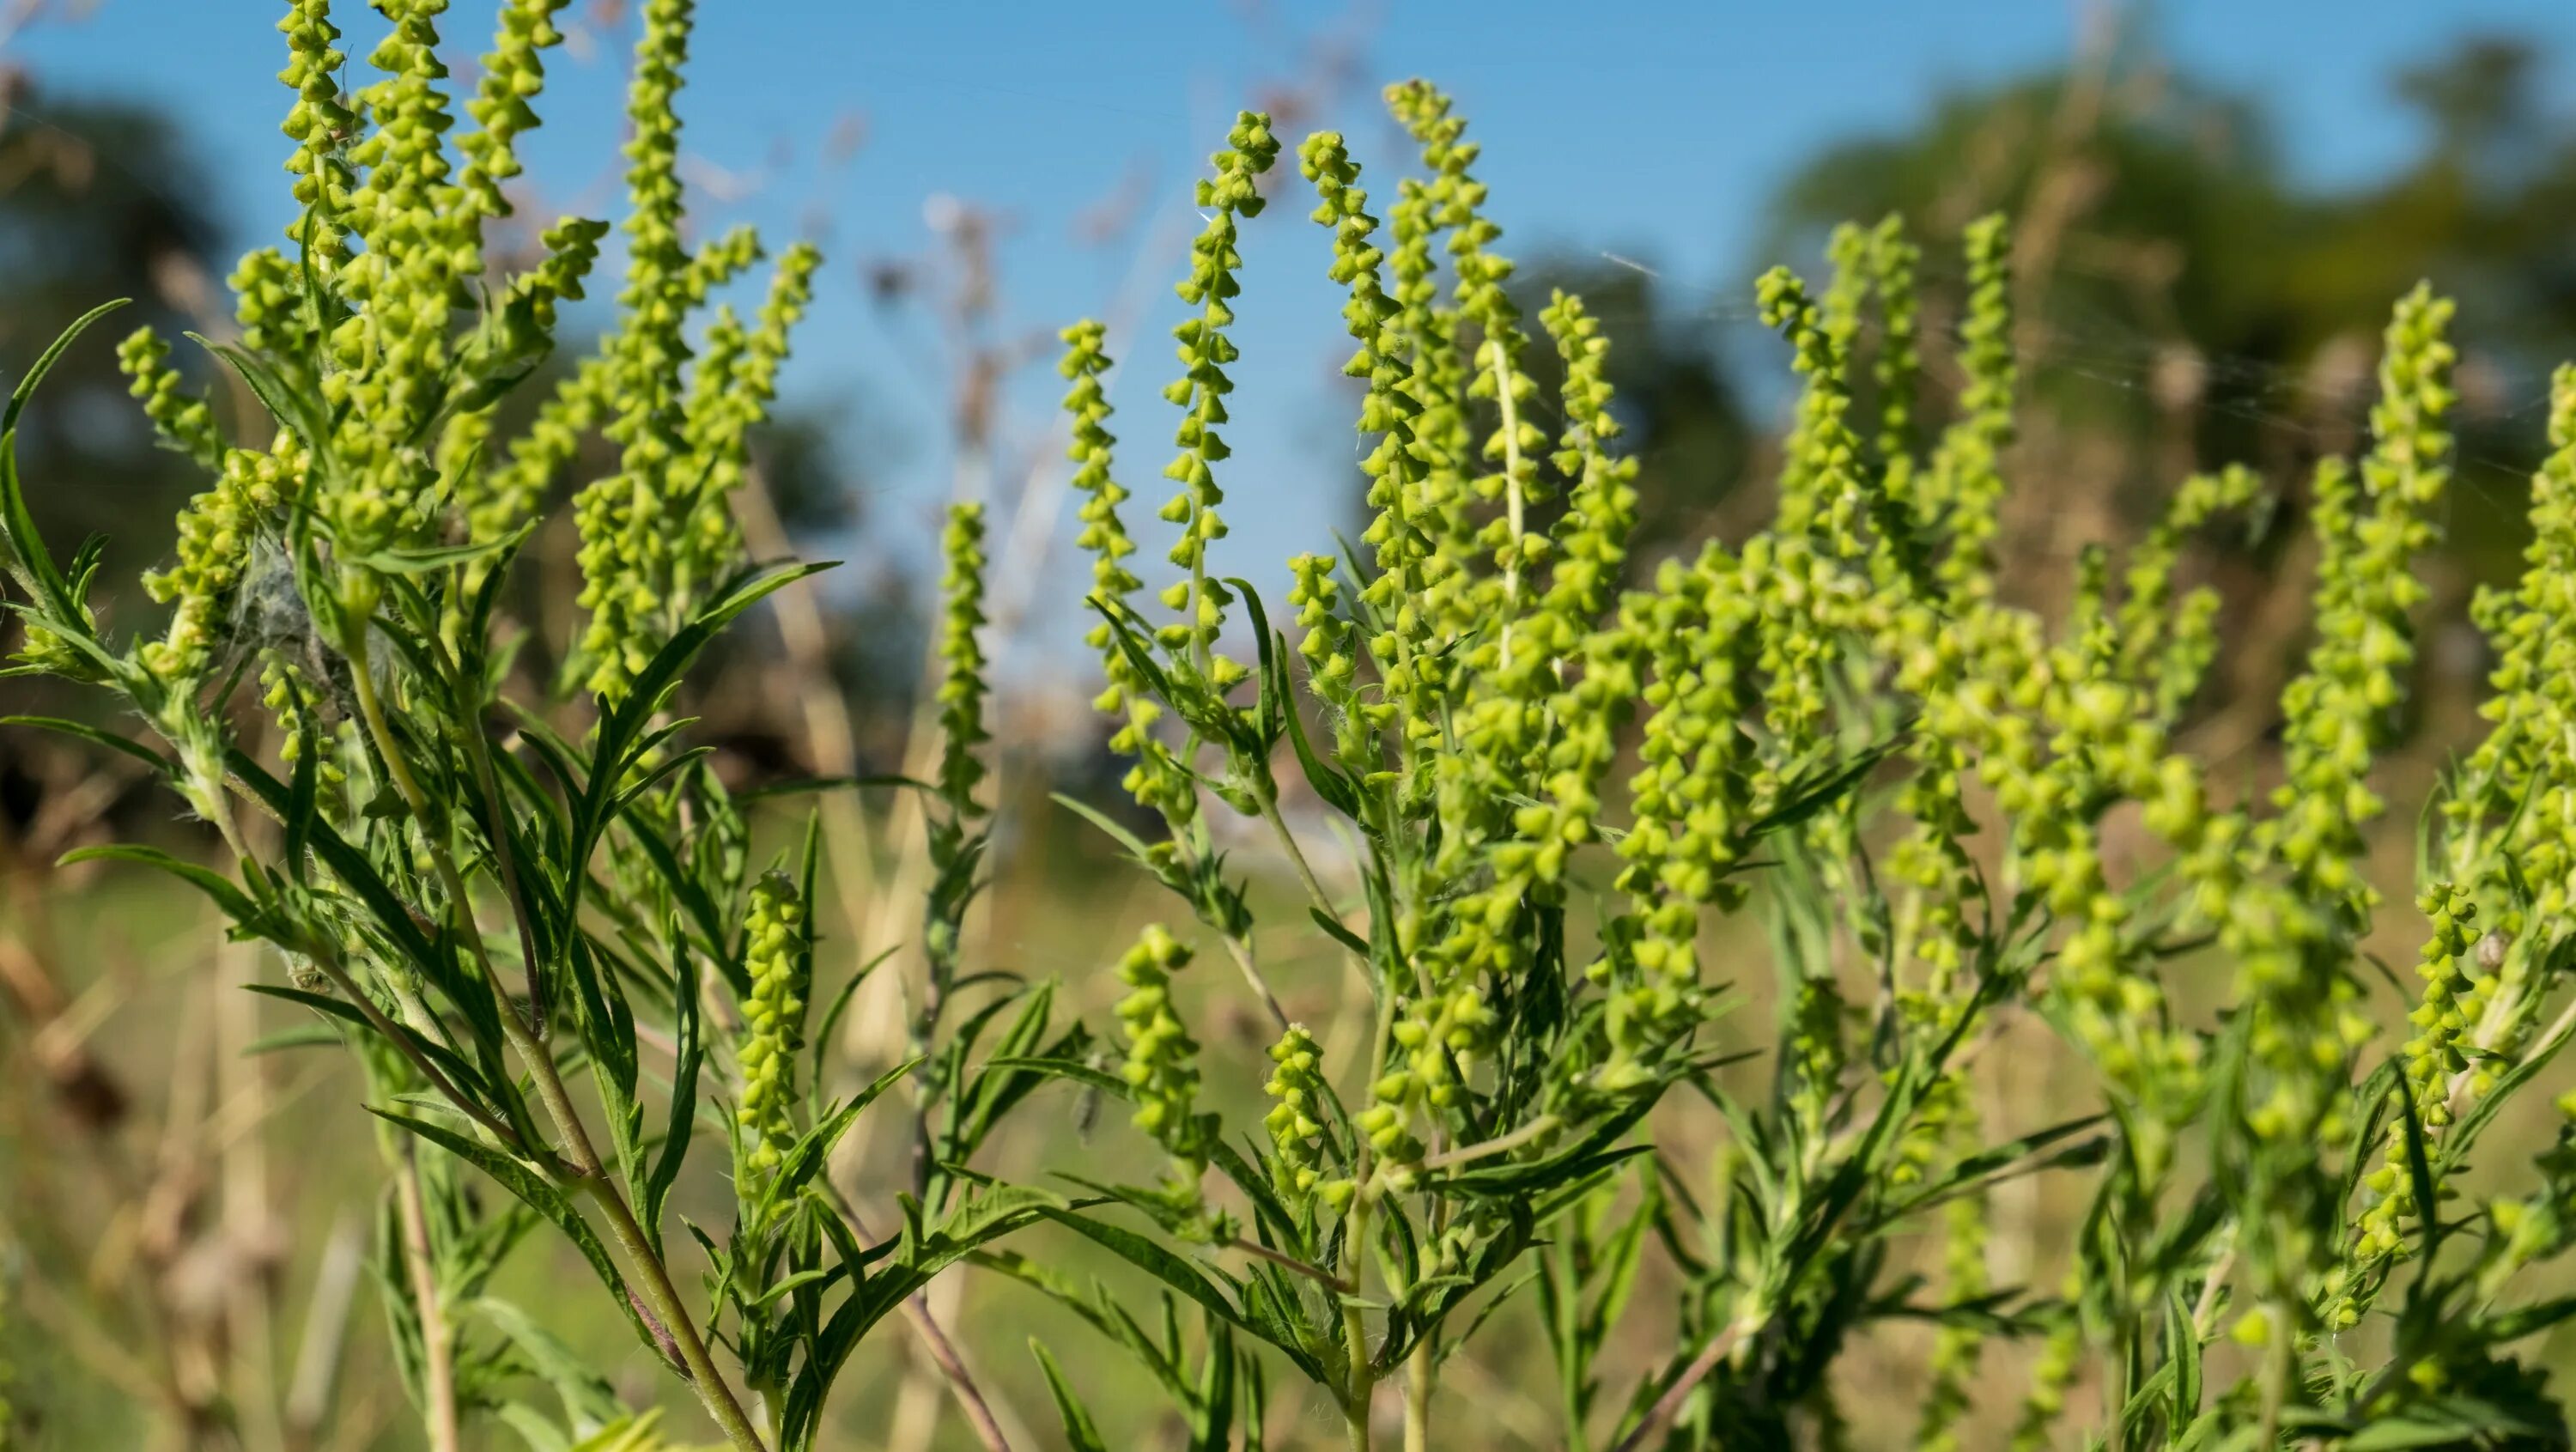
1654,130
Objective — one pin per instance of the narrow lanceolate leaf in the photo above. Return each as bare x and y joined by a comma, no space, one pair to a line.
28,557
1080,1432
540,1194
97,736
688,1058
235,903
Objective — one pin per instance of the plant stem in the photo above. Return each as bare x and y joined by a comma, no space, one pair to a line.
1316,1274
1240,950
934,1340
1418,1365
1417,1397
1499,1144
1363,1380
478,751
586,1172
437,1339
1296,854
338,973
1669,1405
704,1377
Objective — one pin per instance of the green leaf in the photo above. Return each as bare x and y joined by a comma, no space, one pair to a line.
291,407
588,1399
1134,844
1340,933
623,725
1998,1162
1155,1261
1807,797
427,559
2525,1320
2419,1171
2451,1421
541,1195
827,1027
235,903
1073,1069
97,736
812,1150
688,1058
1079,1431
987,1218
463,1075
17,525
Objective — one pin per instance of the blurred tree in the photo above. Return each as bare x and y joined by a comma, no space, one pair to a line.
99,200
2184,300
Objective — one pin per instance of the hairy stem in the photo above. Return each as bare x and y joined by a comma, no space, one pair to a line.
437,1338
1500,1144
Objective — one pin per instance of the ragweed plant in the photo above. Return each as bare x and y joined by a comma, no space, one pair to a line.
1581,795
492,894
1948,812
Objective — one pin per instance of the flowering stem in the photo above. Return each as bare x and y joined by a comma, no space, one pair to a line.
585,1168
1363,1380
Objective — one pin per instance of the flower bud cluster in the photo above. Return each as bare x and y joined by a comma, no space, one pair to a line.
513,72
1162,1059
214,552
2167,643
1296,1118
185,424
2337,710
1454,200
316,124
1156,779
962,684
652,535
773,1029
1205,351
1964,485
1408,560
